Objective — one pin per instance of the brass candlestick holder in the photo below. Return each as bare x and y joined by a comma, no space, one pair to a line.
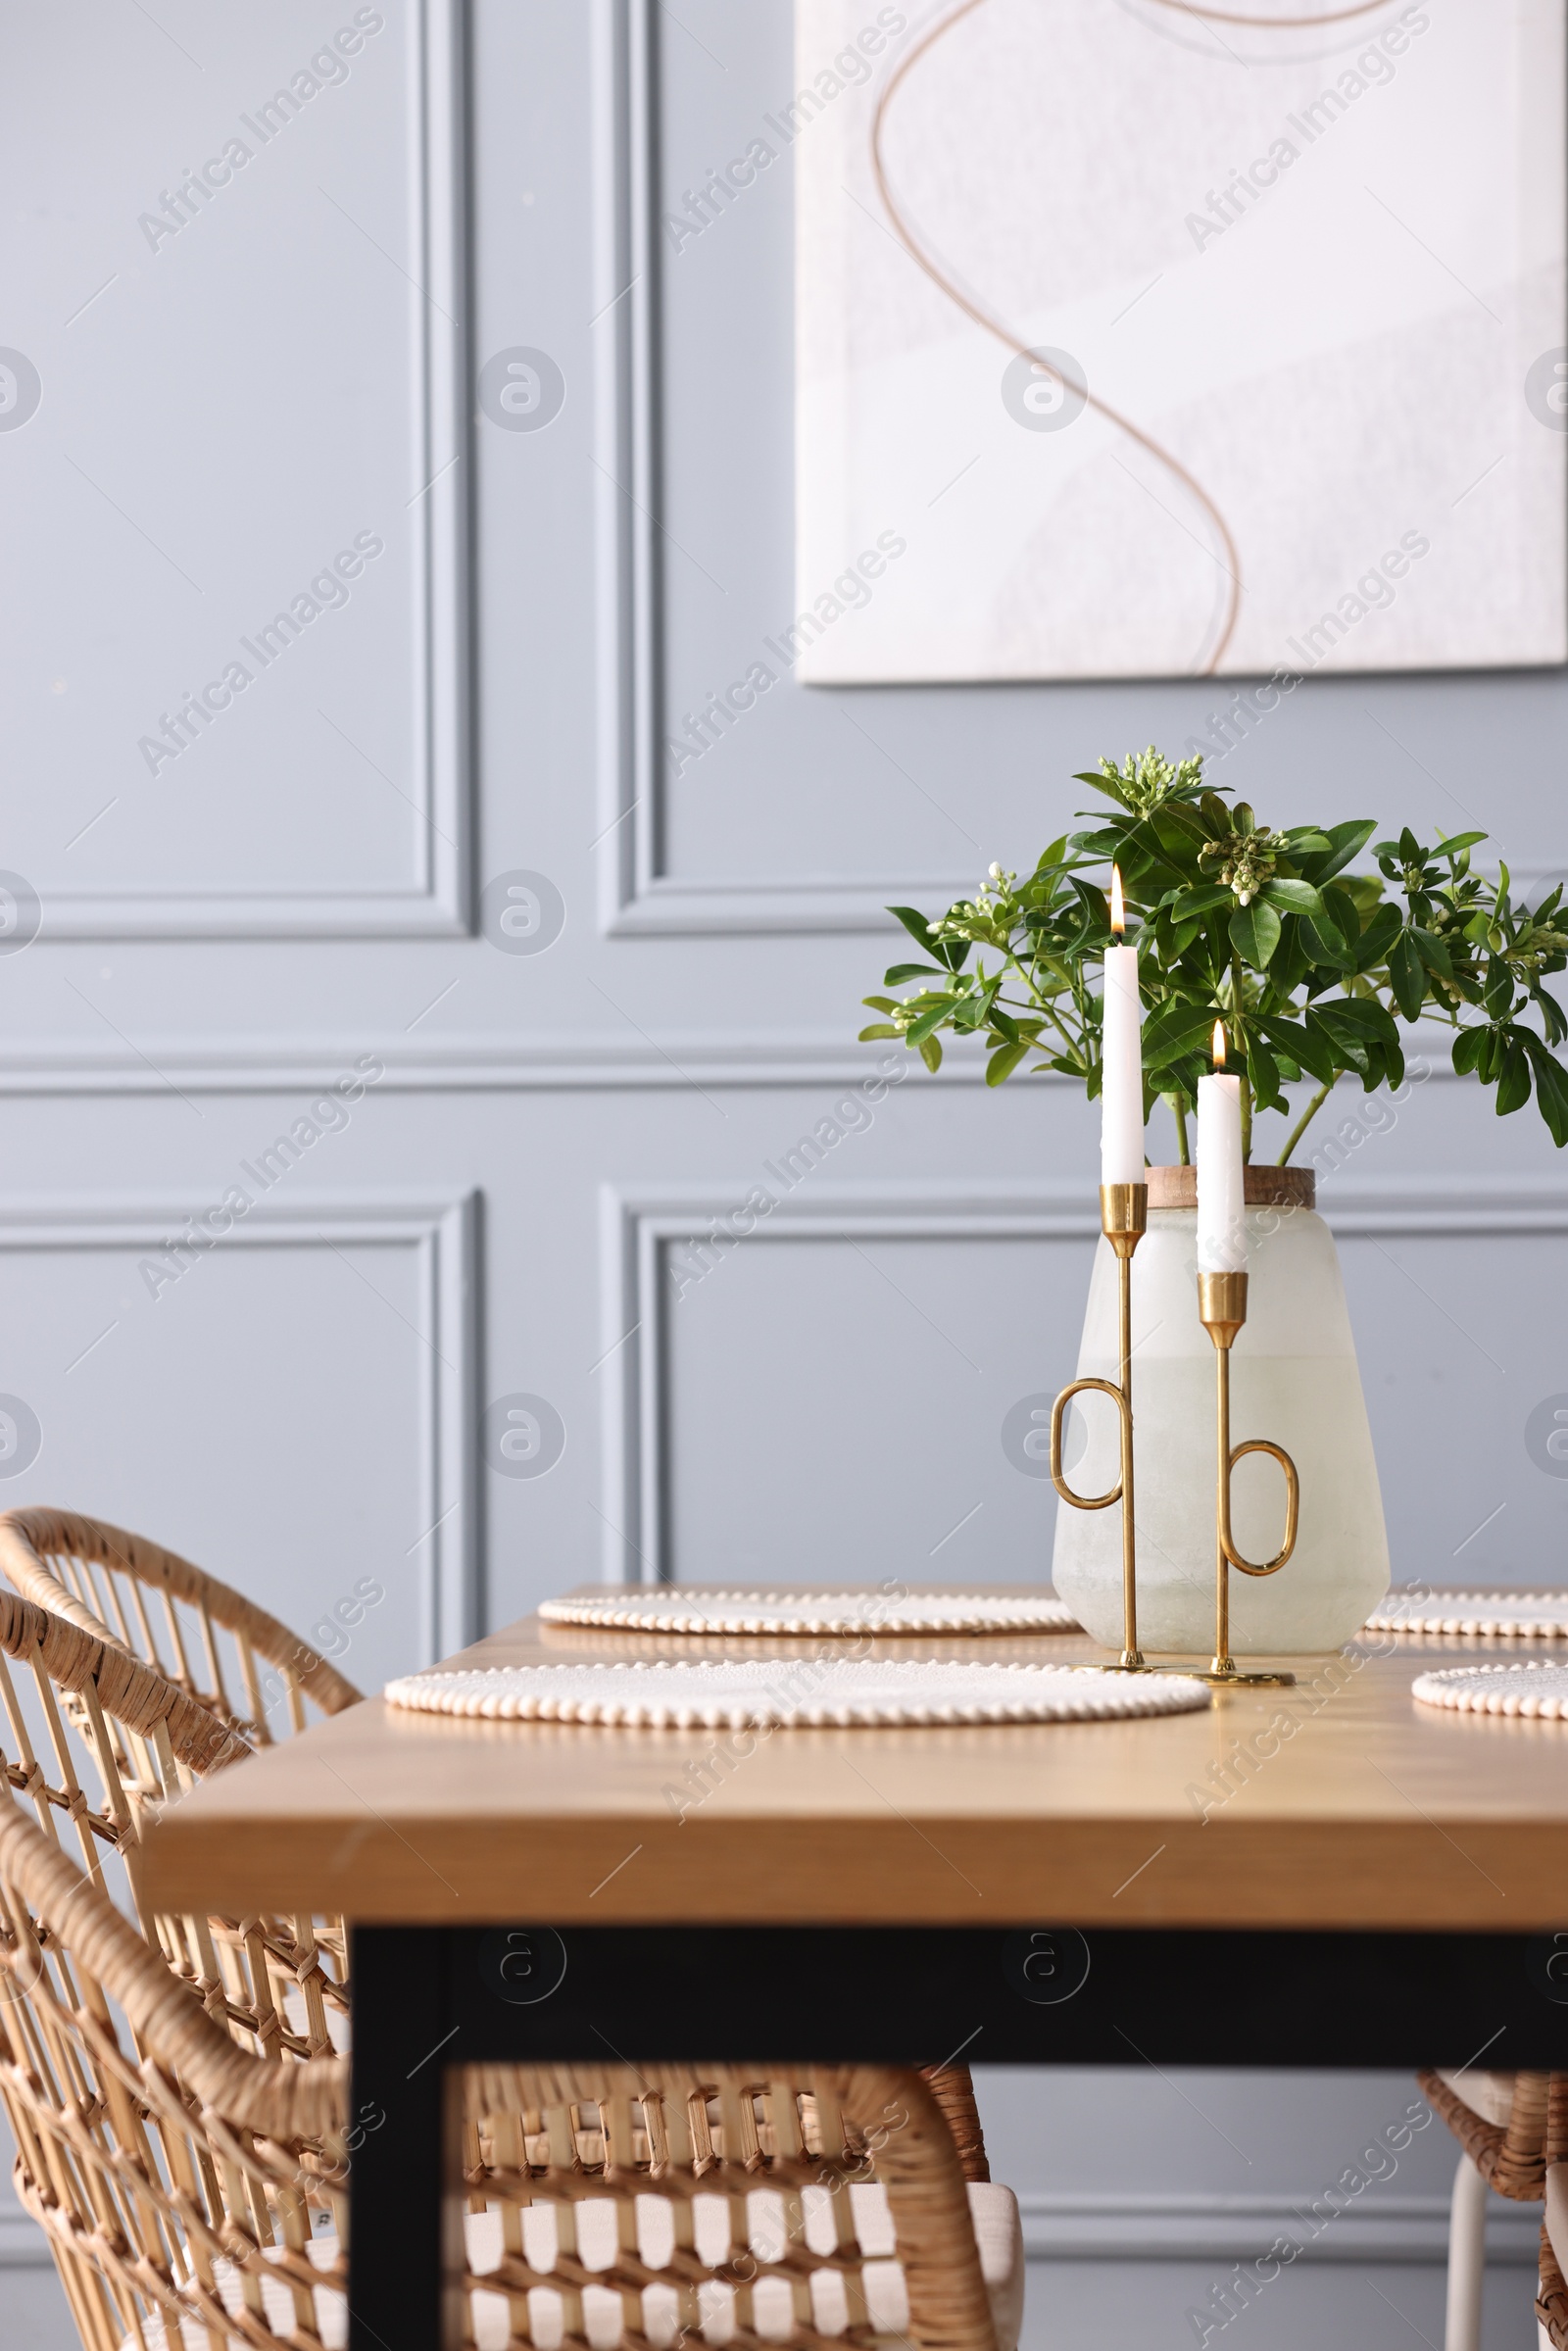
1222,1310
1124,1220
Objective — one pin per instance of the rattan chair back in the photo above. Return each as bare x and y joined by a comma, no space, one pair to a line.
204,1636
176,2173
755,2169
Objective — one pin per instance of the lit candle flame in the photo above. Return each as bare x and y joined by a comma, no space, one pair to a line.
1118,910
1219,1045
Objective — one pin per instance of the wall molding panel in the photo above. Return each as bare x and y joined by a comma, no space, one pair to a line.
639,1225
637,900
436,901
443,1235
513,1062
1237,2228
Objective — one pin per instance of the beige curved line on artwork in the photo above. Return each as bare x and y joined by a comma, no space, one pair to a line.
1220,15
1005,334
1021,350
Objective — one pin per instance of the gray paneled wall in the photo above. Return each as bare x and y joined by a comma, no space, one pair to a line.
286,1325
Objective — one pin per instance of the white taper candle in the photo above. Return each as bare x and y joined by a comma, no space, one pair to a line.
1221,1196
1121,1093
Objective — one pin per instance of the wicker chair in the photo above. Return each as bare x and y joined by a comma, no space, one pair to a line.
137,2069
99,1577
1510,2127
178,2176
176,2173
612,2205
179,2113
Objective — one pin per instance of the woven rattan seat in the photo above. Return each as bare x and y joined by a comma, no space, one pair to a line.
610,2205
102,1578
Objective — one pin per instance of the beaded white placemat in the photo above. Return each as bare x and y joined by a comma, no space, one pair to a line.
800,1693
672,1608
1502,1615
1538,1690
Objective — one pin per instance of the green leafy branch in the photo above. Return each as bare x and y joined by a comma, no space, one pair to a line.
1309,966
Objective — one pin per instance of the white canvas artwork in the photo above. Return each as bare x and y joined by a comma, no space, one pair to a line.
1166,339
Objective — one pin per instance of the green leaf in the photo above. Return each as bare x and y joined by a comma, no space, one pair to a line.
1552,1090
1377,939
949,952
1407,977
915,923
896,973
1200,899
1467,1050
1513,1087
931,1052
1361,1015
1295,898
1342,912
1453,843
1254,933
1176,1027
878,1029
1004,1060
1263,1071
1326,946
931,1018
1434,954
1313,1053
1346,1050
1346,842
881,1003
1095,909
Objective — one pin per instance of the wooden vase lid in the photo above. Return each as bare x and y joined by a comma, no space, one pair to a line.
1263,1187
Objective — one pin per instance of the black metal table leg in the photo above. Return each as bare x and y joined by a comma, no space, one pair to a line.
396,2157
427,2001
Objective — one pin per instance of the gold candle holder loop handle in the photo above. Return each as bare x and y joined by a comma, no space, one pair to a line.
1222,1311
1293,1508
1123,1220
1058,1411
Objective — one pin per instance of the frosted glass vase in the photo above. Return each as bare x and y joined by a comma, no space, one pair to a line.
1294,1378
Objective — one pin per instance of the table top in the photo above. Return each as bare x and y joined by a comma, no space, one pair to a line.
1338,1803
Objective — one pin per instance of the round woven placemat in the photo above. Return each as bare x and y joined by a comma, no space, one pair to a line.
1535,1690
1501,1615
672,1608
839,1691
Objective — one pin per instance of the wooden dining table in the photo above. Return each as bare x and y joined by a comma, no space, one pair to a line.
1321,1875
